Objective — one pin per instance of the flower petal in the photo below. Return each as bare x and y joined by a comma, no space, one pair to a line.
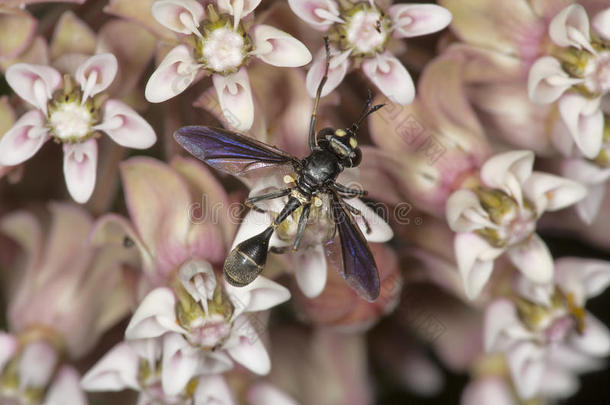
24,139
583,278
526,364
464,212
508,171
17,29
588,208
391,77
278,48
547,81
379,230
180,361
34,83
8,348
235,97
585,121
66,389
238,8
125,126
80,167
175,73
320,14
213,389
264,393
37,364
198,279
337,70
72,35
488,390
155,316
116,371
601,23
246,347
552,193
570,27
259,295
533,258
96,74
413,20
310,270
181,16
475,259
595,339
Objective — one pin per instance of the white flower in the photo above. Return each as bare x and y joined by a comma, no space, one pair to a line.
500,216
546,334
220,45
577,76
359,33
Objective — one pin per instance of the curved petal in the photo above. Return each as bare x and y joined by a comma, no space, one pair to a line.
413,20
17,29
80,169
570,27
198,279
237,8
264,393
24,139
181,16
595,339
175,73
34,83
588,208
320,14
179,364
475,259
213,389
116,371
155,316
278,48
508,171
235,97
310,270
585,121
583,278
552,193
489,390
72,35
259,295
533,258
547,81
379,230
391,77
37,364
66,389
464,212
8,348
526,364
247,349
501,322
601,23
125,126
338,66
96,74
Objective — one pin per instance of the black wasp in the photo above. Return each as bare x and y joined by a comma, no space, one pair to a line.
331,150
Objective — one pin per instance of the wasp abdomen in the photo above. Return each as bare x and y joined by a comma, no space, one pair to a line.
247,259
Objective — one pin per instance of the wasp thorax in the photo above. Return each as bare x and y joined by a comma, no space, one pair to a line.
366,29
222,47
70,118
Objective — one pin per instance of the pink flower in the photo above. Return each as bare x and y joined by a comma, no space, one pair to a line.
72,110
359,34
547,336
220,45
500,215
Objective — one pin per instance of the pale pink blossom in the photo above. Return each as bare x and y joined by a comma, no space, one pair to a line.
499,216
221,44
71,110
359,35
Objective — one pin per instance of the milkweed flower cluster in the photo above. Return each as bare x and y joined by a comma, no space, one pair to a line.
480,195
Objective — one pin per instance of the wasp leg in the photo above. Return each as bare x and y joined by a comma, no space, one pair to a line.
269,196
279,250
314,114
349,192
301,228
355,211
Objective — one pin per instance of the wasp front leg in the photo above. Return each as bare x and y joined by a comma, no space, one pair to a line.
348,192
269,196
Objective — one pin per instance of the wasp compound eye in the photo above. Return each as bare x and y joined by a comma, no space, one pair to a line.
246,260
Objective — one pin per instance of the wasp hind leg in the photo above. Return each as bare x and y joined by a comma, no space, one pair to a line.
348,192
301,227
269,196
355,211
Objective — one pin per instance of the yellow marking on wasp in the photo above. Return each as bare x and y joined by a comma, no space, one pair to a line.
317,202
288,179
340,132
353,142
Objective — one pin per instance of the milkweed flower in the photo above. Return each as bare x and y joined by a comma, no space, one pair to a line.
576,74
546,334
359,33
86,288
71,110
221,44
499,215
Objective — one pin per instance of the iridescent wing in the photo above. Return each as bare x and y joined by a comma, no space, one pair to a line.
231,152
357,264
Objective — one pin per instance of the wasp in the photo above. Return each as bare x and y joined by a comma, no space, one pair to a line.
331,151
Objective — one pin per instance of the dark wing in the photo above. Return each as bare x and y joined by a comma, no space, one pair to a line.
359,268
230,152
